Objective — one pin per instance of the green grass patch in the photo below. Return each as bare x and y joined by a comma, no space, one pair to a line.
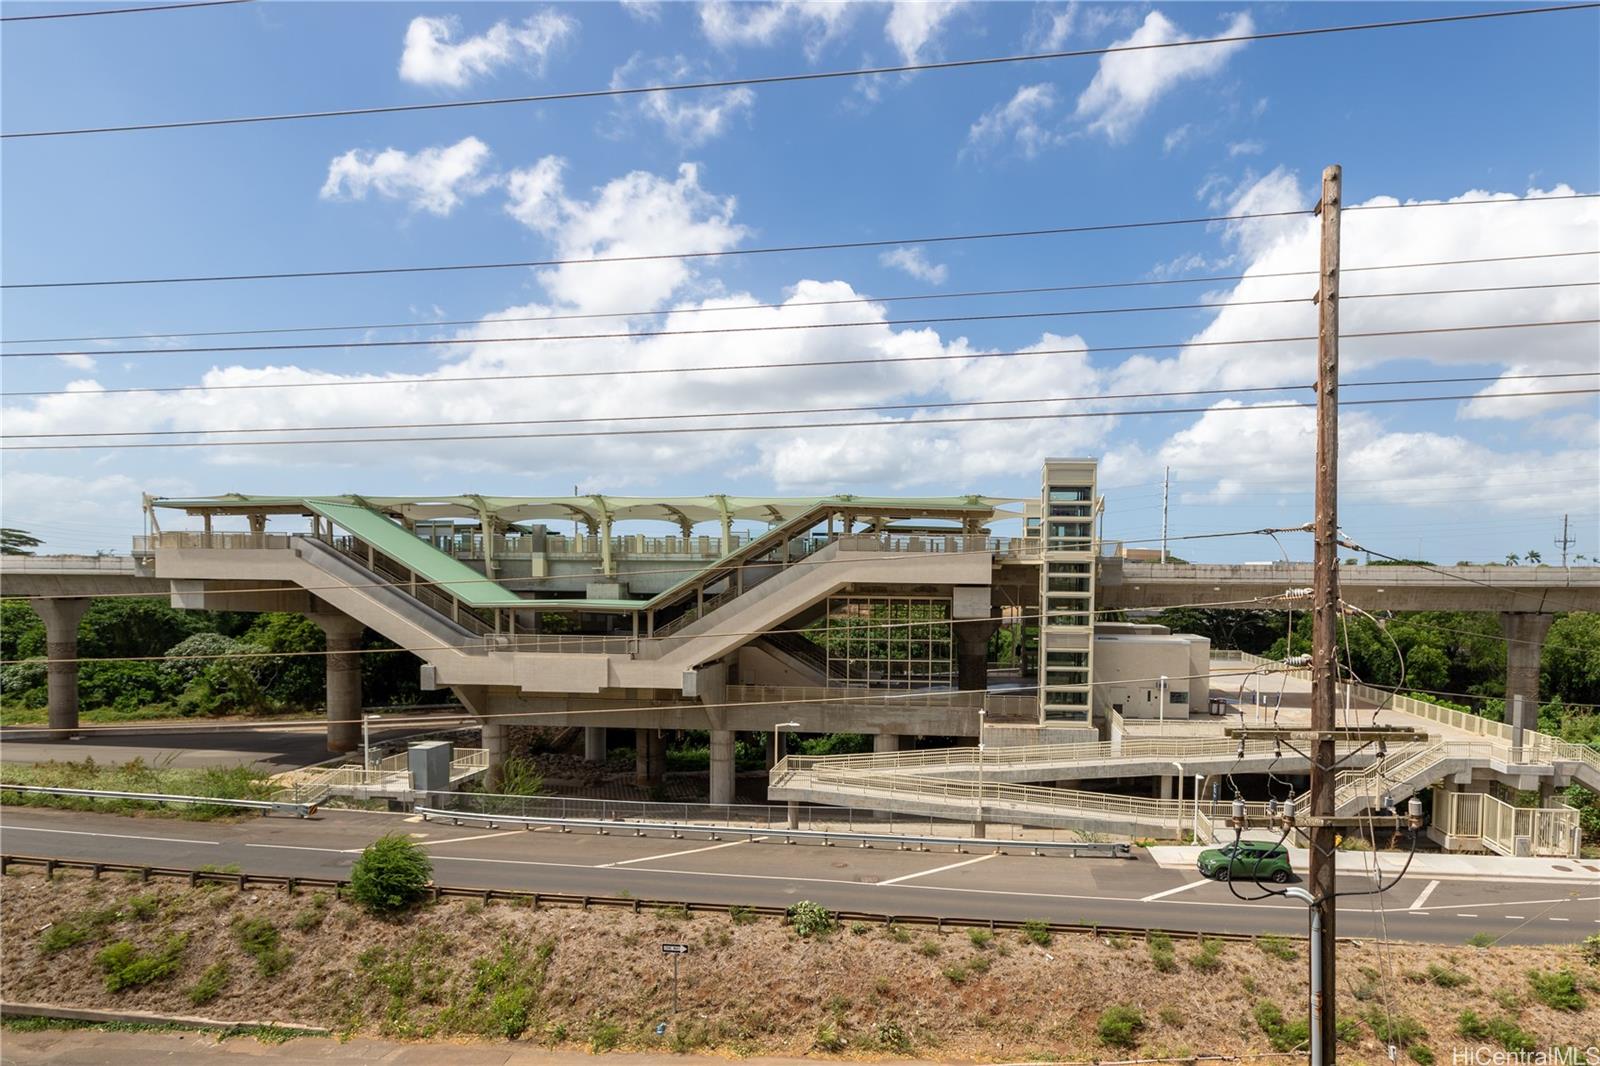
260,939
1209,958
1281,1033
1278,947
221,782
1557,989
1119,1026
1037,932
210,984
126,966
502,994
1162,955
1503,1031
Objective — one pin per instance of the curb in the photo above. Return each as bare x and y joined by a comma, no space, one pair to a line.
84,1014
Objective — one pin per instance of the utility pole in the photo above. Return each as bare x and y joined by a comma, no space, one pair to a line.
1565,541
1166,480
1325,622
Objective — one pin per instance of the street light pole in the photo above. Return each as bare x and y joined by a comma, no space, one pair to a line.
978,829
1179,765
1161,708
366,740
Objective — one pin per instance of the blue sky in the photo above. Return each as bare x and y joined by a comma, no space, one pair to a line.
1507,108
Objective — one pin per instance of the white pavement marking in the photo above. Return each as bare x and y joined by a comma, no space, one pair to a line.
1560,919
1516,917
935,870
479,836
113,836
1522,902
1416,904
675,854
1466,915
301,847
1174,891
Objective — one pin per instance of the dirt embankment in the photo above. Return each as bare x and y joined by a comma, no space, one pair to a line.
598,980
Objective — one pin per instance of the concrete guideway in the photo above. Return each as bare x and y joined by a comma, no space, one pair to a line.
972,886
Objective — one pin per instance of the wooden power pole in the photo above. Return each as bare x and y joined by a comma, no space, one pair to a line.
1325,612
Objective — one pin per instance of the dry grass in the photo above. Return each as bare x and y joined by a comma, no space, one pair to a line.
747,989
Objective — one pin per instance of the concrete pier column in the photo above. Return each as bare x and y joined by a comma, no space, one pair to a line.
972,652
882,742
722,766
343,670
1524,632
649,757
497,744
794,814
1165,786
594,743
61,618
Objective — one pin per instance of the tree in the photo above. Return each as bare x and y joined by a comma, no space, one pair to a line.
391,874
1513,559
1571,658
17,541
1533,557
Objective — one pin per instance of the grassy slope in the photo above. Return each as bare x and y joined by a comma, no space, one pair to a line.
598,979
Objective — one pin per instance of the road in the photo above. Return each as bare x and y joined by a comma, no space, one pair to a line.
286,748
879,881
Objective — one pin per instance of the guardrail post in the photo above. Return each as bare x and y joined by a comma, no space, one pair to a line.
50,869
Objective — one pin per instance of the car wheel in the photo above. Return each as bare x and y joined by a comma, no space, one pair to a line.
1223,873
1280,876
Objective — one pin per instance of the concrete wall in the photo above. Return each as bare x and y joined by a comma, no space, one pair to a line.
1126,665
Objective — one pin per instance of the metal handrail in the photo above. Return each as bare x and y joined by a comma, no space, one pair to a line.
299,810
753,834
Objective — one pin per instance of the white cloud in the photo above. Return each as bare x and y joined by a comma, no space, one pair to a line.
1055,24
433,180
1128,84
914,26
690,119
915,263
643,10
1176,138
637,214
1020,120
727,24
433,56
1238,148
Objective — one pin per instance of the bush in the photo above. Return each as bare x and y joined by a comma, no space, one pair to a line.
1502,1031
1282,1034
128,967
1445,977
1591,949
811,919
1557,990
929,949
391,875
1396,1029
1037,932
1209,958
1421,1054
259,939
981,938
1119,1026
828,1039
210,984
1278,947
1161,954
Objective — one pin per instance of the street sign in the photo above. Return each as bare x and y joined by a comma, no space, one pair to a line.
674,949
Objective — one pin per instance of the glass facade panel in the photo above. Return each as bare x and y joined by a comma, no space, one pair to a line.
1071,495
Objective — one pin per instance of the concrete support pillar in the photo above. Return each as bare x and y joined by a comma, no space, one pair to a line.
497,743
1524,632
722,766
1547,793
794,814
972,653
882,742
649,757
1165,786
342,666
594,743
61,618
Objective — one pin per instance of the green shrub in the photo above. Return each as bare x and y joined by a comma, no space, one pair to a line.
391,874
1278,947
210,984
956,973
259,939
128,967
1590,949
1348,1030
828,1039
1421,1054
1503,1031
1397,1029
742,915
1471,1026
76,929
502,996
929,948
1557,990
811,919
1209,958
1445,977
1119,1026
604,1035
1281,1033
1480,940
1161,953
1037,932
889,1036
981,938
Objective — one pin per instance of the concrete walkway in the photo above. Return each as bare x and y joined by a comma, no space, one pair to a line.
1426,864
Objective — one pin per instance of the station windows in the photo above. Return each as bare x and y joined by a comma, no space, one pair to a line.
1071,495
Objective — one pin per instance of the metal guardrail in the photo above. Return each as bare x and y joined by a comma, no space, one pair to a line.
299,810
557,899
679,829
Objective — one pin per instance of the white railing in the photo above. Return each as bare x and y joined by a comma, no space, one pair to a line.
189,539
390,775
1466,816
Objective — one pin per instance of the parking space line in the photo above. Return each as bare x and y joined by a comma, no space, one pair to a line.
1416,904
675,854
113,836
936,870
1174,891
479,836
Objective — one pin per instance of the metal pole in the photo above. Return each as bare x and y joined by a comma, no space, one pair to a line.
1161,708
980,766
1166,478
1325,621
366,745
675,984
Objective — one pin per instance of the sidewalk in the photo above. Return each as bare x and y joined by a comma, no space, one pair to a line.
1426,864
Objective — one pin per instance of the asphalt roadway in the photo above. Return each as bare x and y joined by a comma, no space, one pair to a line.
973,885
287,747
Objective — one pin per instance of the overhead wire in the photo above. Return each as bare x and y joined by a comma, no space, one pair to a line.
791,304
765,427
121,10
805,363
782,249
907,406
812,76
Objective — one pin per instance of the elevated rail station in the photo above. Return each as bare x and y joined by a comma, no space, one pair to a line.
833,614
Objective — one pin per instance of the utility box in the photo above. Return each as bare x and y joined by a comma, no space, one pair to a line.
430,765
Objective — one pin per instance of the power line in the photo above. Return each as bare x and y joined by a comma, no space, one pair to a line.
122,10
829,246
1007,316
1031,291
797,364
909,406
625,432
815,76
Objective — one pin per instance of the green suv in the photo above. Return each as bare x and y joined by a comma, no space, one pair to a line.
1257,859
